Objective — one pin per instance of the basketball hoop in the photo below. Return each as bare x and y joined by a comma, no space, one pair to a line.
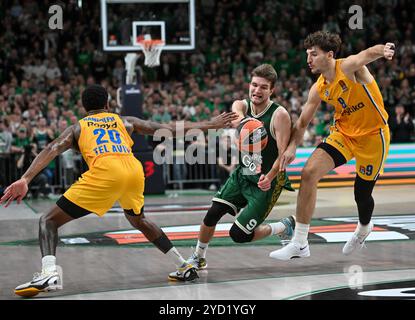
152,50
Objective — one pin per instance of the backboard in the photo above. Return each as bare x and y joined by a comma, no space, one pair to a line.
124,22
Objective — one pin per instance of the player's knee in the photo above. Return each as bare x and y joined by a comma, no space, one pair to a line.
46,221
360,197
137,221
363,198
310,173
216,212
239,236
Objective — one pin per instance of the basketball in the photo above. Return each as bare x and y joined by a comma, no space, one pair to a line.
251,135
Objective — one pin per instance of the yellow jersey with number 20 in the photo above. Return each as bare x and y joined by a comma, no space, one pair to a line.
101,135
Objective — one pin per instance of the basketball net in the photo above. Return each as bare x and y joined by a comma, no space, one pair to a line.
152,50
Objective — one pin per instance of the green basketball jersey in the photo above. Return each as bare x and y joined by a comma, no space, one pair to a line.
256,164
270,152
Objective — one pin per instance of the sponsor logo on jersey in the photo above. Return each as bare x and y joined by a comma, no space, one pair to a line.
252,163
349,110
326,93
343,85
102,125
105,119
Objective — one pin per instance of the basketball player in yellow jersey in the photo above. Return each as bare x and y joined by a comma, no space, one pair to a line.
114,174
359,131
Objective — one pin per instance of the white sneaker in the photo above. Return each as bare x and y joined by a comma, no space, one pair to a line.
42,282
357,241
291,251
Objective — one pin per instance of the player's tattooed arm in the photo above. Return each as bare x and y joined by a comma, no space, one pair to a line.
298,130
62,143
18,189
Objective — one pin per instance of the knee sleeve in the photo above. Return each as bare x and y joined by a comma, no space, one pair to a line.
364,200
240,236
216,212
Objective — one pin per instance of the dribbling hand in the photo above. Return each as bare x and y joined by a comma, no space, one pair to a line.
264,183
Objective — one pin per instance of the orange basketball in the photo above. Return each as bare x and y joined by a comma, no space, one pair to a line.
251,136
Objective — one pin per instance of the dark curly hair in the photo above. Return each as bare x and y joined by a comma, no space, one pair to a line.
94,97
326,41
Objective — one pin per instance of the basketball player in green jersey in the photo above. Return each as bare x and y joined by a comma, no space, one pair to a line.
256,184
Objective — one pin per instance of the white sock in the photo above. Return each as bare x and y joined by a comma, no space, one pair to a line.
177,257
301,233
201,249
48,264
277,228
362,230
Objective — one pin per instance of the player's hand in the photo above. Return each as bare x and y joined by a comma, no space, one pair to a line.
287,157
16,191
389,50
224,120
264,183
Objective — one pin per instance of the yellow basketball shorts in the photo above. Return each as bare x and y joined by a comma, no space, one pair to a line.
370,151
111,179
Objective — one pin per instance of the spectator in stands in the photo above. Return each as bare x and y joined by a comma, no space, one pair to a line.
231,35
66,159
401,125
53,71
39,183
42,136
21,140
6,137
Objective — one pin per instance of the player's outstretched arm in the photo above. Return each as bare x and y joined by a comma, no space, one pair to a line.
239,107
355,62
19,188
297,132
224,120
282,129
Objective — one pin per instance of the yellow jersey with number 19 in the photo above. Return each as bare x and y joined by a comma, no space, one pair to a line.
359,108
103,134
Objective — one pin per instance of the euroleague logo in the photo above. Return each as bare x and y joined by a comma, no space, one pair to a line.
251,136
257,135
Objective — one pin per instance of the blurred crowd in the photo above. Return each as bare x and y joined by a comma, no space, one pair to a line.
43,71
